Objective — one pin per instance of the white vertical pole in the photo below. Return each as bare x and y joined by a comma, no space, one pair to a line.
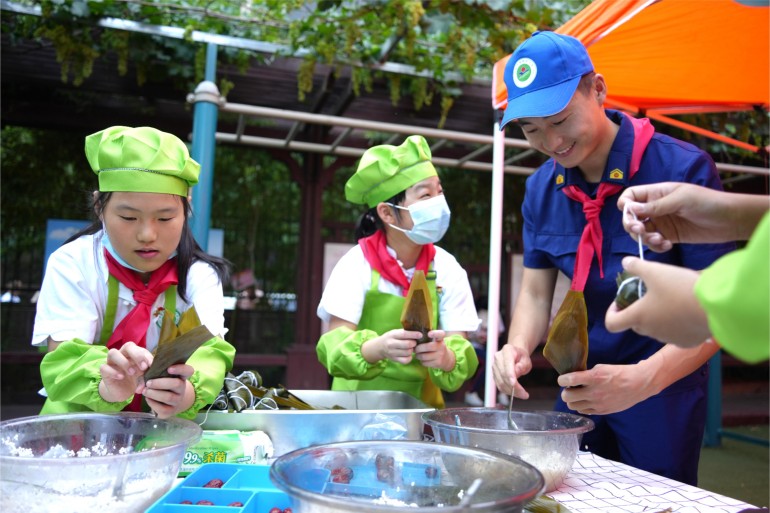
495,252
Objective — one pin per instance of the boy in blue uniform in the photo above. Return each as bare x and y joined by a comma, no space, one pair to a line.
648,401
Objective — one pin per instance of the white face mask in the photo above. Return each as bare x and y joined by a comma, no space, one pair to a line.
430,218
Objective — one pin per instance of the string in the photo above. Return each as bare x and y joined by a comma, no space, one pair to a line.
206,417
626,212
231,394
267,402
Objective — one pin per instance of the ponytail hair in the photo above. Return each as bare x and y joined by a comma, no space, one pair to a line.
368,224
370,221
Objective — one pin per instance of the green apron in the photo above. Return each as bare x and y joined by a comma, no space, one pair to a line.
382,313
113,287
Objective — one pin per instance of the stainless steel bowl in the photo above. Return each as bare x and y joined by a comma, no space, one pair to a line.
388,475
549,440
121,462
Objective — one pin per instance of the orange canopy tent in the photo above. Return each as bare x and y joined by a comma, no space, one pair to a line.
663,57
659,58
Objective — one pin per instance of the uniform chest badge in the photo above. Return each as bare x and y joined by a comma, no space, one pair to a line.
616,174
559,179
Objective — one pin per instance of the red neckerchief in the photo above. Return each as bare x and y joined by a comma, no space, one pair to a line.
376,253
133,327
591,240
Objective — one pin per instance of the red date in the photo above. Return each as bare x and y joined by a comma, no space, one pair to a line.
214,483
186,502
204,503
385,475
236,504
342,475
431,472
276,510
383,461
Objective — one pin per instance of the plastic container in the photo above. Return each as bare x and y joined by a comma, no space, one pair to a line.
248,485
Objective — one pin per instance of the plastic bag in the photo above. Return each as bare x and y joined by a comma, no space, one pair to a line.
384,427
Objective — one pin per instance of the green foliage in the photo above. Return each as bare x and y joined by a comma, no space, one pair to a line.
446,40
28,180
258,206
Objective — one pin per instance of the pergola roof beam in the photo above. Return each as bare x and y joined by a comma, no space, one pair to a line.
437,145
292,132
341,138
347,151
475,153
241,126
519,156
361,124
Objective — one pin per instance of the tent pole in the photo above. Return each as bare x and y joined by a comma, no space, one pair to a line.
701,131
495,252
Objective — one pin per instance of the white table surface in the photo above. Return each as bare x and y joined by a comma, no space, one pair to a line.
597,484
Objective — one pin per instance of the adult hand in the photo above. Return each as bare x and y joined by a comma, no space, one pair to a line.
435,354
668,311
510,363
397,345
122,372
672,212
606,389
170,395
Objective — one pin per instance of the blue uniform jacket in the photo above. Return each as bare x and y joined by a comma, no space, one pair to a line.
553,225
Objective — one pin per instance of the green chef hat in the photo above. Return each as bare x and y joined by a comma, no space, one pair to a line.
141,159
386,170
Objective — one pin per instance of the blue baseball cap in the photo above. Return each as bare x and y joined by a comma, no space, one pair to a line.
542,75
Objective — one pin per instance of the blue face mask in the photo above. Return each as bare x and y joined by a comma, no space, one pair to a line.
430,218
108,246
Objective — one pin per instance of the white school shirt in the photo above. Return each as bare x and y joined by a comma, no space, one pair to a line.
351,278
73,297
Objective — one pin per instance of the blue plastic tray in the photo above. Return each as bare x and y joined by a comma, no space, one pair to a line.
251,486
247,484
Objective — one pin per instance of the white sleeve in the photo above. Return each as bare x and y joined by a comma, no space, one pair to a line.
457,312
70,305
345,291
204,290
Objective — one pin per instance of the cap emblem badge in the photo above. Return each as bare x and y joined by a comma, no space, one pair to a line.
524,72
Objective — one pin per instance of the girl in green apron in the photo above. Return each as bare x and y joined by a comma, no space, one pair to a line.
107,290
365,347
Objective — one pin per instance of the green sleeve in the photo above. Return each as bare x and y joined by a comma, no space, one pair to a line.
735,294
70,374
212,361
466,364
339,350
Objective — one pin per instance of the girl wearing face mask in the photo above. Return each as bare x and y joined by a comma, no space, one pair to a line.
365,347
